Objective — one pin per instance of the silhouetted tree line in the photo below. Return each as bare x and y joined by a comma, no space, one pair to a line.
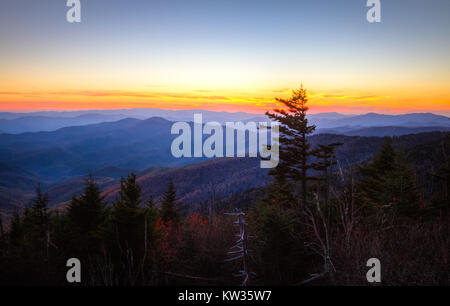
315,223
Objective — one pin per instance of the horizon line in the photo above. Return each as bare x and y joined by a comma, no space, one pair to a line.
445,114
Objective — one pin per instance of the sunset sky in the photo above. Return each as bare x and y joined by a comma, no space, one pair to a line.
225,55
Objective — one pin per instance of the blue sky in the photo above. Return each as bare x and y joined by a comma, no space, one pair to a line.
239,49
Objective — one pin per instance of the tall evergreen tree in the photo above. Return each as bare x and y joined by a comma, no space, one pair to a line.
36,221
151,215
39,210
127,213
169,211
88,211
16,230
87,214
295,149
131,229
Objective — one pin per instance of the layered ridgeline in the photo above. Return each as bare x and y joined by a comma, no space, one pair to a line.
15,123
60,161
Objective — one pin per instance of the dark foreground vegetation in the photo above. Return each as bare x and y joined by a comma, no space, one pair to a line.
316,223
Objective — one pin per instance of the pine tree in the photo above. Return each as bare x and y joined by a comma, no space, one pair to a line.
127,206
36,221
39,210
128,216
88,211
151,213
2,238
169,211
151,209
16,230
130,192
295,149
87,215
133,230
297,159
387,187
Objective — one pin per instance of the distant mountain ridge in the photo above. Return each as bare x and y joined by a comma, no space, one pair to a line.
16,123
381,131
408,120
44,124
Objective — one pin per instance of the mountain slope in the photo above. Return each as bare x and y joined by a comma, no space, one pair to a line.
67,152
381,131
406,120
17,187
193,182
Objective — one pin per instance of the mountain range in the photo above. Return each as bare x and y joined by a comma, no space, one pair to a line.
15,123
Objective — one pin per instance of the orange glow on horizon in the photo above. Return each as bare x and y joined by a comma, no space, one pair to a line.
344,101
